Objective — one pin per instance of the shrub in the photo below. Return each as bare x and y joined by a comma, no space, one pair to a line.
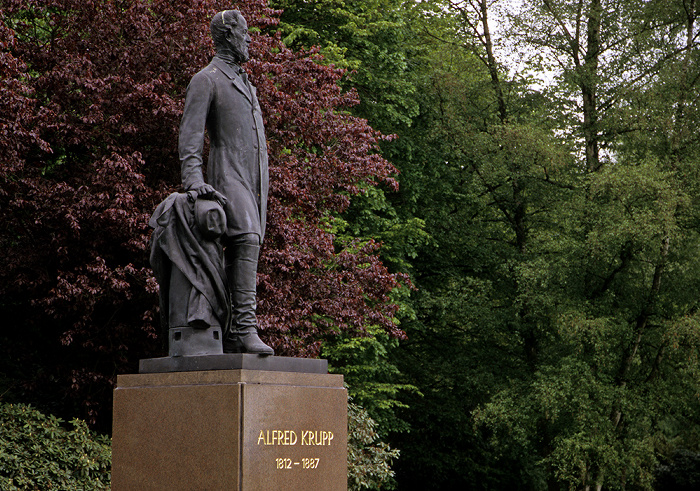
369,460
37,452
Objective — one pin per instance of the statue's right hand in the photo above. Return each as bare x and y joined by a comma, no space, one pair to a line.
204,190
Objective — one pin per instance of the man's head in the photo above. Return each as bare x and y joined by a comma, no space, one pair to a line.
230,33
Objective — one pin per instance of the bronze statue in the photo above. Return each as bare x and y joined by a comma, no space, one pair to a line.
221,100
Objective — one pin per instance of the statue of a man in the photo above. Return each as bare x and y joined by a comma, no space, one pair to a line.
221,100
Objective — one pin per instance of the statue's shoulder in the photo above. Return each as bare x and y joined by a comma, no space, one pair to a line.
205,79
211,68
212,74
208,71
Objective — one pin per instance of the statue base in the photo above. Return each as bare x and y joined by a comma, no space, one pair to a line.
190,341
233,361
230,430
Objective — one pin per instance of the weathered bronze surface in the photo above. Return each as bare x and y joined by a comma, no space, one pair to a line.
206,242
222,102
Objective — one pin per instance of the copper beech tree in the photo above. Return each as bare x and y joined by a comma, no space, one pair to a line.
90,100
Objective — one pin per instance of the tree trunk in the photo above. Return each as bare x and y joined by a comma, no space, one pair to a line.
588,73
491,62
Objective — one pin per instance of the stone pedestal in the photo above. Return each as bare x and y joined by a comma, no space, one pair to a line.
229,430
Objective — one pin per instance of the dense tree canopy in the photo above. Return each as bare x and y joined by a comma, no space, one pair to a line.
563,271
553,334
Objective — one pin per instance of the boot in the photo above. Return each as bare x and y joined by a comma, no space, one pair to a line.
246,341
241,268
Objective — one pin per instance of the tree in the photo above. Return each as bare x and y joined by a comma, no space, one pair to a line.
371,39
555,312
594,402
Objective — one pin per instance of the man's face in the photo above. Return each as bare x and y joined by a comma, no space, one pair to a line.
239,39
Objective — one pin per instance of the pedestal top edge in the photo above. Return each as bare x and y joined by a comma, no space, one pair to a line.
222,377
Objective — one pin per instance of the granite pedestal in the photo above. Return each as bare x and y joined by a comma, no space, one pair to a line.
234,429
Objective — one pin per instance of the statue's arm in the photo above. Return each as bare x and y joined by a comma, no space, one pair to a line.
191,141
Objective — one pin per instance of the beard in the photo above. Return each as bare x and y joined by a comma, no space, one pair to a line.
240,53
233,52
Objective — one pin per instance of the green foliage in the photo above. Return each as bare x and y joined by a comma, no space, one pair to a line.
365,37
369,459
38,452
552,292
370,376
371,215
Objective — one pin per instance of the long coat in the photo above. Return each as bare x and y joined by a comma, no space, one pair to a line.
223,102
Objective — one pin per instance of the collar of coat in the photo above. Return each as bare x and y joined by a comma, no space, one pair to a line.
236,76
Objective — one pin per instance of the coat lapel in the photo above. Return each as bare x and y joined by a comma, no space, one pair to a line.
236,79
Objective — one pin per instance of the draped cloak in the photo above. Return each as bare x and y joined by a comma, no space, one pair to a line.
188,267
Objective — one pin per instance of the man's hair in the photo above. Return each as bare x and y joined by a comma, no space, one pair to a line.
221,23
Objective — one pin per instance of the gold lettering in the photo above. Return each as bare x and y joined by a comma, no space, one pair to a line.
326,437
317,437
290,437
279,437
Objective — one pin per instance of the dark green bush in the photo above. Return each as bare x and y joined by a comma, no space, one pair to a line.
38,453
